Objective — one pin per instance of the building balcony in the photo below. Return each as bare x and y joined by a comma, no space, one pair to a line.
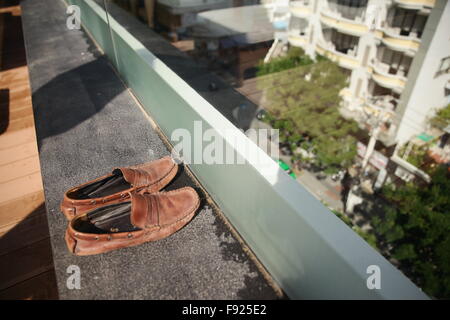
403,28
301,9
352,10
385,104
345,60
297,39
345,93
382,107
415,4
387,135
352,27
371,106
391,38
381,75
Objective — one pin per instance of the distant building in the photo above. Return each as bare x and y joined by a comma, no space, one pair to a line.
177,15
395,52
235,39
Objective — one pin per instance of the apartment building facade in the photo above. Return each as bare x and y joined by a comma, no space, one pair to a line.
395,52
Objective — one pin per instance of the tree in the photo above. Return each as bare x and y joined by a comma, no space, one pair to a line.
442,118
369,237
417,226
307,98
295,57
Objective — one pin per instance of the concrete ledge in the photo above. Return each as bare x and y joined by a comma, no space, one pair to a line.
308,250
87,122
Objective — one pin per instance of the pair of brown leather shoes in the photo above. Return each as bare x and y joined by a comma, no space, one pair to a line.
125,208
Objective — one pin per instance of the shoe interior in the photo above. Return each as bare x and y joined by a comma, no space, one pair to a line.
108,219
105,187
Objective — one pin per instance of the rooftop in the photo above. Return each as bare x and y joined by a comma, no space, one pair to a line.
112,94
83,114
247,24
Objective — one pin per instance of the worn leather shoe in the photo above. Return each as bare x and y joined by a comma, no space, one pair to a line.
144,217
115,187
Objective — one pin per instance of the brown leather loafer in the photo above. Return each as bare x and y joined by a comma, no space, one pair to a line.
144,217
115,187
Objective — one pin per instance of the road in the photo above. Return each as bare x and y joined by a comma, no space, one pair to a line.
325,190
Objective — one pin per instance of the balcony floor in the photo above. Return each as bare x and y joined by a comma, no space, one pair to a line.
87,122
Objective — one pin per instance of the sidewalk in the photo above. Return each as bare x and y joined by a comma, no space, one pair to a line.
329,193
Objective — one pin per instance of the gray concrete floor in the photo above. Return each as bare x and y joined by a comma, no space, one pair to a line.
87,123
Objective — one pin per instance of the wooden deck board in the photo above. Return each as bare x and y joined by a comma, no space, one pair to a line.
13,139
19,113
26,263
19,169
20,187
22,123
24,233
40,287
20,208
15,153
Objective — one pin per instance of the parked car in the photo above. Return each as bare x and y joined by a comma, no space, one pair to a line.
261,114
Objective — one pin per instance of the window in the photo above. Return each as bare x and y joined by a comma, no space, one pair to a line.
444,66
344,43
398,63
409,22
298,25
349,9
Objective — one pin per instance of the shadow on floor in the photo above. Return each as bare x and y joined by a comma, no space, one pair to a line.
61,104
12,48
8,3
4,110
26,262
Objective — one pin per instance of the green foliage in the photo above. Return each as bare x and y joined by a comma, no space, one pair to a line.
307,99
417,155
418,228
367,236
442,118
405,252
320,57
295,57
